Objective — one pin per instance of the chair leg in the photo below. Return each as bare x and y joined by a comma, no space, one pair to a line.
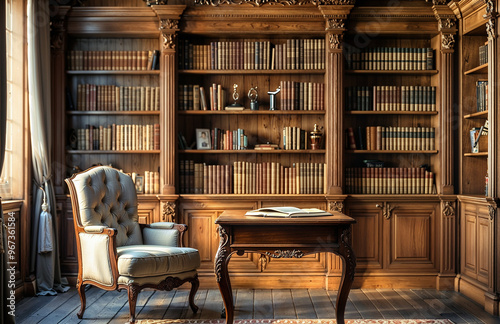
133,292
81,292
195,283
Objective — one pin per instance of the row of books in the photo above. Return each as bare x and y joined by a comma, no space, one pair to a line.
391,98
91,97
193,97
251,178
294,54
228,140
149,184
391,58
302,95
483,54
119,137
114,60
294,138
392,181
391,138
481,95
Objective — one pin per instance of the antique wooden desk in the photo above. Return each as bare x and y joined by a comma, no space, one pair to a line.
283,238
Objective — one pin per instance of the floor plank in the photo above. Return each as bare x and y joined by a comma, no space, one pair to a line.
263,304
105,307
283,304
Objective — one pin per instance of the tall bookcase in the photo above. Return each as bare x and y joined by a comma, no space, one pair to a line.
388,236
478,177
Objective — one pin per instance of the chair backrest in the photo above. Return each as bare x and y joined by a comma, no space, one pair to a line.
106,196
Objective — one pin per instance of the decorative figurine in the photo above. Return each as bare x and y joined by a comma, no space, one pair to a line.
316,137
236,96
272,98
253,95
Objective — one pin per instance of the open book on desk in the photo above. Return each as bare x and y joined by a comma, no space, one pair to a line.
287,212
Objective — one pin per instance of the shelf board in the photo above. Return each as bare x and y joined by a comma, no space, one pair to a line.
480,114
254,72
113,72
392,112
253,151
99,113
113,152
251,112
481,69
393,151
480,154
425,72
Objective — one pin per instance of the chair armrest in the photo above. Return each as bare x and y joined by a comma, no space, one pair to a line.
164,233
97,255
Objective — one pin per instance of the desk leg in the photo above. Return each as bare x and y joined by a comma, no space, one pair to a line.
222,274
348,268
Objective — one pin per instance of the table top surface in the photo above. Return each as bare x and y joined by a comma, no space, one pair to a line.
237,217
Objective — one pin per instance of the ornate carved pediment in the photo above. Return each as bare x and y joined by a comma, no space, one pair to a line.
258,3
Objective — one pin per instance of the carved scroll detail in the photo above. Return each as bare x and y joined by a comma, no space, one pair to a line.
345,245
286,254
446,23
337,206
492,211
335,24
448,209
448,41
221,253
335,41
168,214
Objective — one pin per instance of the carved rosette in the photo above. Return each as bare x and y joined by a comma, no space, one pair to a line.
258,3
448,209
447,41
492,211
285,254
345,244
335,41
337,206
168,214
220,258
335,23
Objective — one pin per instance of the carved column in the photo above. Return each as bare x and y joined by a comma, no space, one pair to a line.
169,26
447,244
447,28
335,17
58,94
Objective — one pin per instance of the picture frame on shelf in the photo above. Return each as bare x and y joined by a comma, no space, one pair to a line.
203,141
139,184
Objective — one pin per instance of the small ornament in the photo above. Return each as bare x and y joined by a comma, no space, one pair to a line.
236,96
316,137
253,95
272,98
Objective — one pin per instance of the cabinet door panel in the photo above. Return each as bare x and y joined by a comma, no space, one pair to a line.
412,236
470,245
483,244
202,235
366,234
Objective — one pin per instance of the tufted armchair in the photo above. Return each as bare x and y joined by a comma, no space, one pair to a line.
114,251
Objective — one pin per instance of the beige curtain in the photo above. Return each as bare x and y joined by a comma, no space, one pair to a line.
44,251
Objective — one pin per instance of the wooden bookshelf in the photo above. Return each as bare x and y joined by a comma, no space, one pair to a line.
117,113
251,112
111,72
392,112
393,151
479,114
253,72
480,154
481,69
253,151
416,72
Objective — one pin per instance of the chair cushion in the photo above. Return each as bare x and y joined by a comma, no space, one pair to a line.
155,260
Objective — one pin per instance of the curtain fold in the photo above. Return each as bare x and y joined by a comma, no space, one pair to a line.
5,317
45,262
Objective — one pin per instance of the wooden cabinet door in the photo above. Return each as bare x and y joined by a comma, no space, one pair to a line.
366,234
410,236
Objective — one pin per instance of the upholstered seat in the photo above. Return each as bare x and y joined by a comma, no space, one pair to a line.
115,251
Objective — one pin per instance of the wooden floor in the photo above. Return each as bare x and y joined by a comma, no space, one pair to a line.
112,307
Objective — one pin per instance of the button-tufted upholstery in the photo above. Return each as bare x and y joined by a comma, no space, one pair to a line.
113,251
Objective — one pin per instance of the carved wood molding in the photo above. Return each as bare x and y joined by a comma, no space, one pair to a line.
221,253
447,41
447,23
491,16
492,210
168,214
156,2
263,261
345,245
336,41
286,254
58,29
335,23
258,3
168,27
438,2
337,206
448,209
